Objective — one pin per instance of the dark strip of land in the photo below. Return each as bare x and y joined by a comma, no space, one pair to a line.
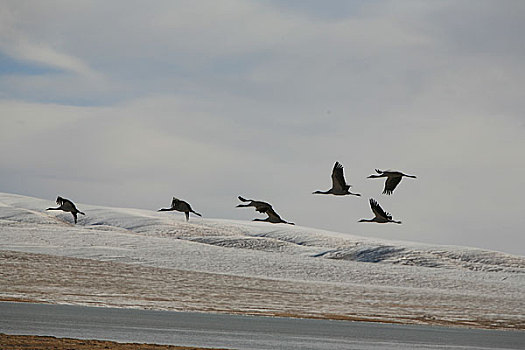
20,342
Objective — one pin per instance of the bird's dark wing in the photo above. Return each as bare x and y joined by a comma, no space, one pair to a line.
391,183
272,214
67,203
261,207
63,201
378,211
186,206
338,178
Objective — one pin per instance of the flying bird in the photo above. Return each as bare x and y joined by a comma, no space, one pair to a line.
339,185
393,178
260,206
273,217
381,216
182,206
263,207
67,206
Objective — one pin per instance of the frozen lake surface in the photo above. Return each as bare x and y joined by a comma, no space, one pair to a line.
131,258
240,332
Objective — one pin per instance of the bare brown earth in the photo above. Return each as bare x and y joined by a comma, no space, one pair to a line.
30,342
46,278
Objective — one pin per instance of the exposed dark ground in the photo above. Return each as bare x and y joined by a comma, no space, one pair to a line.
26,342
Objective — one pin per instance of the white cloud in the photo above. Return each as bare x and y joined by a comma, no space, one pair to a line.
47,56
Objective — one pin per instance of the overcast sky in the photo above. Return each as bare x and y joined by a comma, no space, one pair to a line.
128,103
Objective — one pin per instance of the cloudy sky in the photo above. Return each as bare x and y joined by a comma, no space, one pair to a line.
127,104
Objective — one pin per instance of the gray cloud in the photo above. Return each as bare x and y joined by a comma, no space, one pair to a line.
208,101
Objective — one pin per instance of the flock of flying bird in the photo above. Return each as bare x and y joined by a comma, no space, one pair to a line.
339,188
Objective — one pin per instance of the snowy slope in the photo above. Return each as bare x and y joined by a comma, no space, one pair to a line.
285,239
442,277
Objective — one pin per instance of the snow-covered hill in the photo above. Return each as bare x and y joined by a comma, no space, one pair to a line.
330,274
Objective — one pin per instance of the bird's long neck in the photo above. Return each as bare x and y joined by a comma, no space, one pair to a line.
166,209
322,192
59,208
412,176
366,220
376,176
